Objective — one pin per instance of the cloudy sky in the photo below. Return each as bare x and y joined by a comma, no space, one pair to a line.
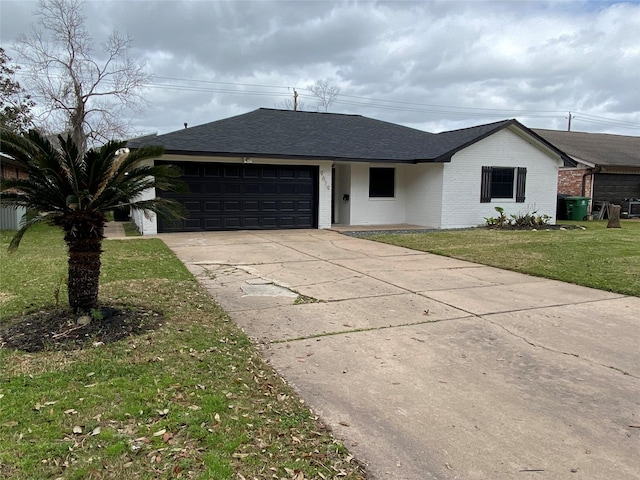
429,65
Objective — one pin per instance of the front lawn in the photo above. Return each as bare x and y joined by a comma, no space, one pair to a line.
190,399
598,257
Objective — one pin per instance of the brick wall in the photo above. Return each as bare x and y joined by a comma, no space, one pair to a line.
570,182
9,171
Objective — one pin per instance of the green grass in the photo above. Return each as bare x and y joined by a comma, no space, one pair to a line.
598,257
190,400
131,229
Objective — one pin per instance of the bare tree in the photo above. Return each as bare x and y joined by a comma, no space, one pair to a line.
325,93
82,92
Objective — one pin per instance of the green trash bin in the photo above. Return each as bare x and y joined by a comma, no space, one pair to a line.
577,207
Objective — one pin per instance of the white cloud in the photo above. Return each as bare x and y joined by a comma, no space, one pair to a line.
435,65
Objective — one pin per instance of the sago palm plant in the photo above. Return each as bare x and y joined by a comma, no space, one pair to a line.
75,191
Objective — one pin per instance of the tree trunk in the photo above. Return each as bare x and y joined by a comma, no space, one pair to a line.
614,217
84,243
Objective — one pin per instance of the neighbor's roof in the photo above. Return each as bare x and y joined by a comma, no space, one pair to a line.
270,133
596,148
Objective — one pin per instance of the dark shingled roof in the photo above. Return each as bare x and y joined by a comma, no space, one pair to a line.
596,148
270,133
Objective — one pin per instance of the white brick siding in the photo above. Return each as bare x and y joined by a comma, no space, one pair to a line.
461,180
147,222
324,194
423,183
376,211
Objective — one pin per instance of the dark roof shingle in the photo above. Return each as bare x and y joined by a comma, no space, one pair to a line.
273,133
596,148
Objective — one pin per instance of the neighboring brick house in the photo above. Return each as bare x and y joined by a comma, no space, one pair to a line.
275,169
604,167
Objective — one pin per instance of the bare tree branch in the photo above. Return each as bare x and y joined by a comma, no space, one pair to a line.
83,92
325,93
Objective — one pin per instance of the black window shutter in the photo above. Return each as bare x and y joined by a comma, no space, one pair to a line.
521,184
485,185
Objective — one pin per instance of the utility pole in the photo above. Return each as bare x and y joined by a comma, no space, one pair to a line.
295,100
569,126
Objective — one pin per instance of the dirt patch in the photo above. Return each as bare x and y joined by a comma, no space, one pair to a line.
5,297
60,329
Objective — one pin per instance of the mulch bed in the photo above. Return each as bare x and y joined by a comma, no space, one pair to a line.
59,329
369,233
539,227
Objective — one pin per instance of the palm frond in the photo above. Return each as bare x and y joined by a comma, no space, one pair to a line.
165,208
17,238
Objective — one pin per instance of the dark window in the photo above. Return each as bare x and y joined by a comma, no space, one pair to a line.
499,182
502,183
382,182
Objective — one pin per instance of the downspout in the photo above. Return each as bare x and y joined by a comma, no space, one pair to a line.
591,173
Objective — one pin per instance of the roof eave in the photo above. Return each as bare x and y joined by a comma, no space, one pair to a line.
276,156
563,156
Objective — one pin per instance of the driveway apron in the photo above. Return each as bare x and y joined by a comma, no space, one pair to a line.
431,367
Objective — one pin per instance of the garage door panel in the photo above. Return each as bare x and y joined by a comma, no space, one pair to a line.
190,170
232,206
270,222
287,206
287,222
269,189
231,189
233,197
614,188
252,222
192,223
231,223
232,171
211,171
213,207
212,223
286,189
211,188
251,206
251,172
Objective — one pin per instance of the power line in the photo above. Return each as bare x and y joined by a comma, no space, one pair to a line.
265,90
395,105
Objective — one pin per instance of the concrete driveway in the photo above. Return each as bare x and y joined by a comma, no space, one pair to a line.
430,367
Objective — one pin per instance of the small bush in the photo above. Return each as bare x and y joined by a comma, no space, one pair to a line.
529,220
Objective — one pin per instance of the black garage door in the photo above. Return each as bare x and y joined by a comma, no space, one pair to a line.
615,187
224,196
